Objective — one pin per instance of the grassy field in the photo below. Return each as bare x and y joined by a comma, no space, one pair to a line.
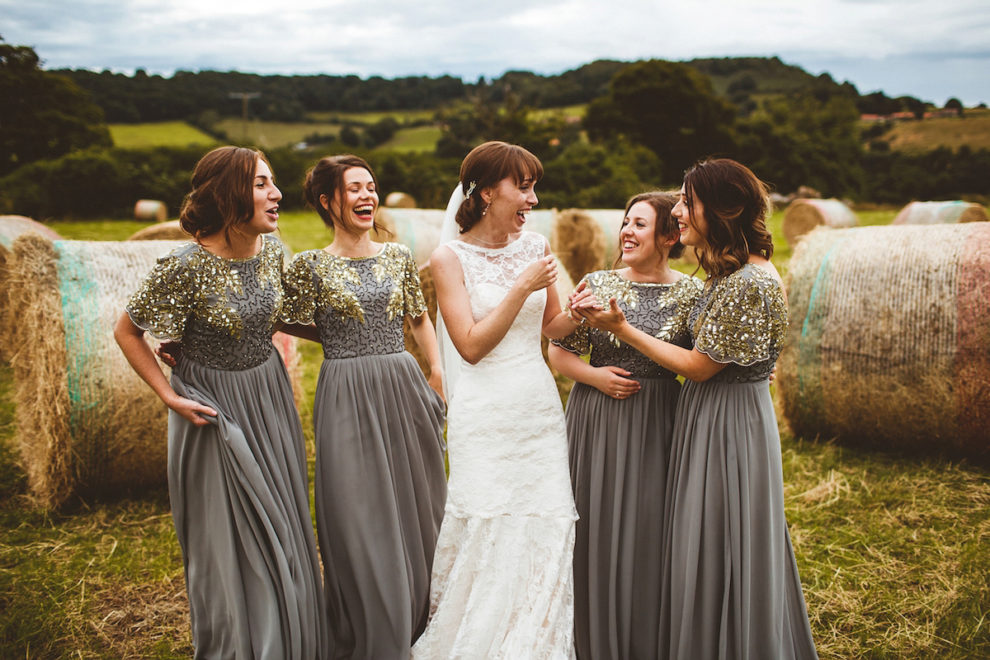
158,134
893,550
972,130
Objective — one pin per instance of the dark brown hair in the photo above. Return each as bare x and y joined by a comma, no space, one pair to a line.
665,226
485,166
222,196
736,206
327,178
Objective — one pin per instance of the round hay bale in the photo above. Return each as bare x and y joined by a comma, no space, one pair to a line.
400,200
12,226
164,231
889,339
940,213
610,220
579,242
803,215
86,423
150,210
417,229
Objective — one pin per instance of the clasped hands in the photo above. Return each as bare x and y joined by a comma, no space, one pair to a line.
583,307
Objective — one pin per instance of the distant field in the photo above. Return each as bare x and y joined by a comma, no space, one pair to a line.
158,134
400,116
273,134
973,130
417,138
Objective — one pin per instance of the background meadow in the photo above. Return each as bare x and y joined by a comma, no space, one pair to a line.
892,549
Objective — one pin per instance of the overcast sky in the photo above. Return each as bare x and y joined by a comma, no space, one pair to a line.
930,50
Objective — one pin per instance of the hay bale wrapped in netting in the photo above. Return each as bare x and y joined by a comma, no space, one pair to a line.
803,215
150,210
579,242
889,338
400,200
940,213
610,220
417,229
86,423
12,226
164,231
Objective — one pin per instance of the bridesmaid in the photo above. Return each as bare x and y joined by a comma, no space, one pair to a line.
730,583
620,415
380,480
237,475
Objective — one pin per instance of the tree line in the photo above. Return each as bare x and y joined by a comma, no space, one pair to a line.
645,123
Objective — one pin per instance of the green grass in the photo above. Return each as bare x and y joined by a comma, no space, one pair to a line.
416,138
893,550
158,134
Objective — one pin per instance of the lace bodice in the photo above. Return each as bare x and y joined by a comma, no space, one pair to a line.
358,304
660,310
489,274
224,311
741,319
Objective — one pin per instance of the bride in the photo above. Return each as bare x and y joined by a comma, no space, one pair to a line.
502,576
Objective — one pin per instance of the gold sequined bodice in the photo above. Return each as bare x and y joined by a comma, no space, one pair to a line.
358,304
741,319
660,310
224,311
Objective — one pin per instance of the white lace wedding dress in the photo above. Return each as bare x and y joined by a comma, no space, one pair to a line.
502,583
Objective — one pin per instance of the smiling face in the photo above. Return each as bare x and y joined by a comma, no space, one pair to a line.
356,200
266,199
690,214
510,202
637,237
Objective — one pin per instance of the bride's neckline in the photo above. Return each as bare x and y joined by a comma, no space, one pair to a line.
482,244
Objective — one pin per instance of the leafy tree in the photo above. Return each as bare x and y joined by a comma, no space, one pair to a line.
804,139
667,107
43,115
597,175
954,104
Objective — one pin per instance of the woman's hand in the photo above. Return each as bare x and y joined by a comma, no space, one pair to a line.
612,381
538,275
611,319
191,410
435,381
169,352
581,298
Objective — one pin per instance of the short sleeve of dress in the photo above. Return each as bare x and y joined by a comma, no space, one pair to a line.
414,304
740,324
163,302
300,287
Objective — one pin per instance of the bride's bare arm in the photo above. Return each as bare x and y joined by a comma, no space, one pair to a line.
475,339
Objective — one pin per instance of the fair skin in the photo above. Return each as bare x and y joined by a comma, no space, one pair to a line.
690,363
644,263
509,201
355,204
245,242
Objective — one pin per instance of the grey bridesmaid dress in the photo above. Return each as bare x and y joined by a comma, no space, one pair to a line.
618,453
238,486
731,584
380,479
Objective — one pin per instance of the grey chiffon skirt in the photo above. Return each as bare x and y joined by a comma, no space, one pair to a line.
618,457
240,501
731,585
380,493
